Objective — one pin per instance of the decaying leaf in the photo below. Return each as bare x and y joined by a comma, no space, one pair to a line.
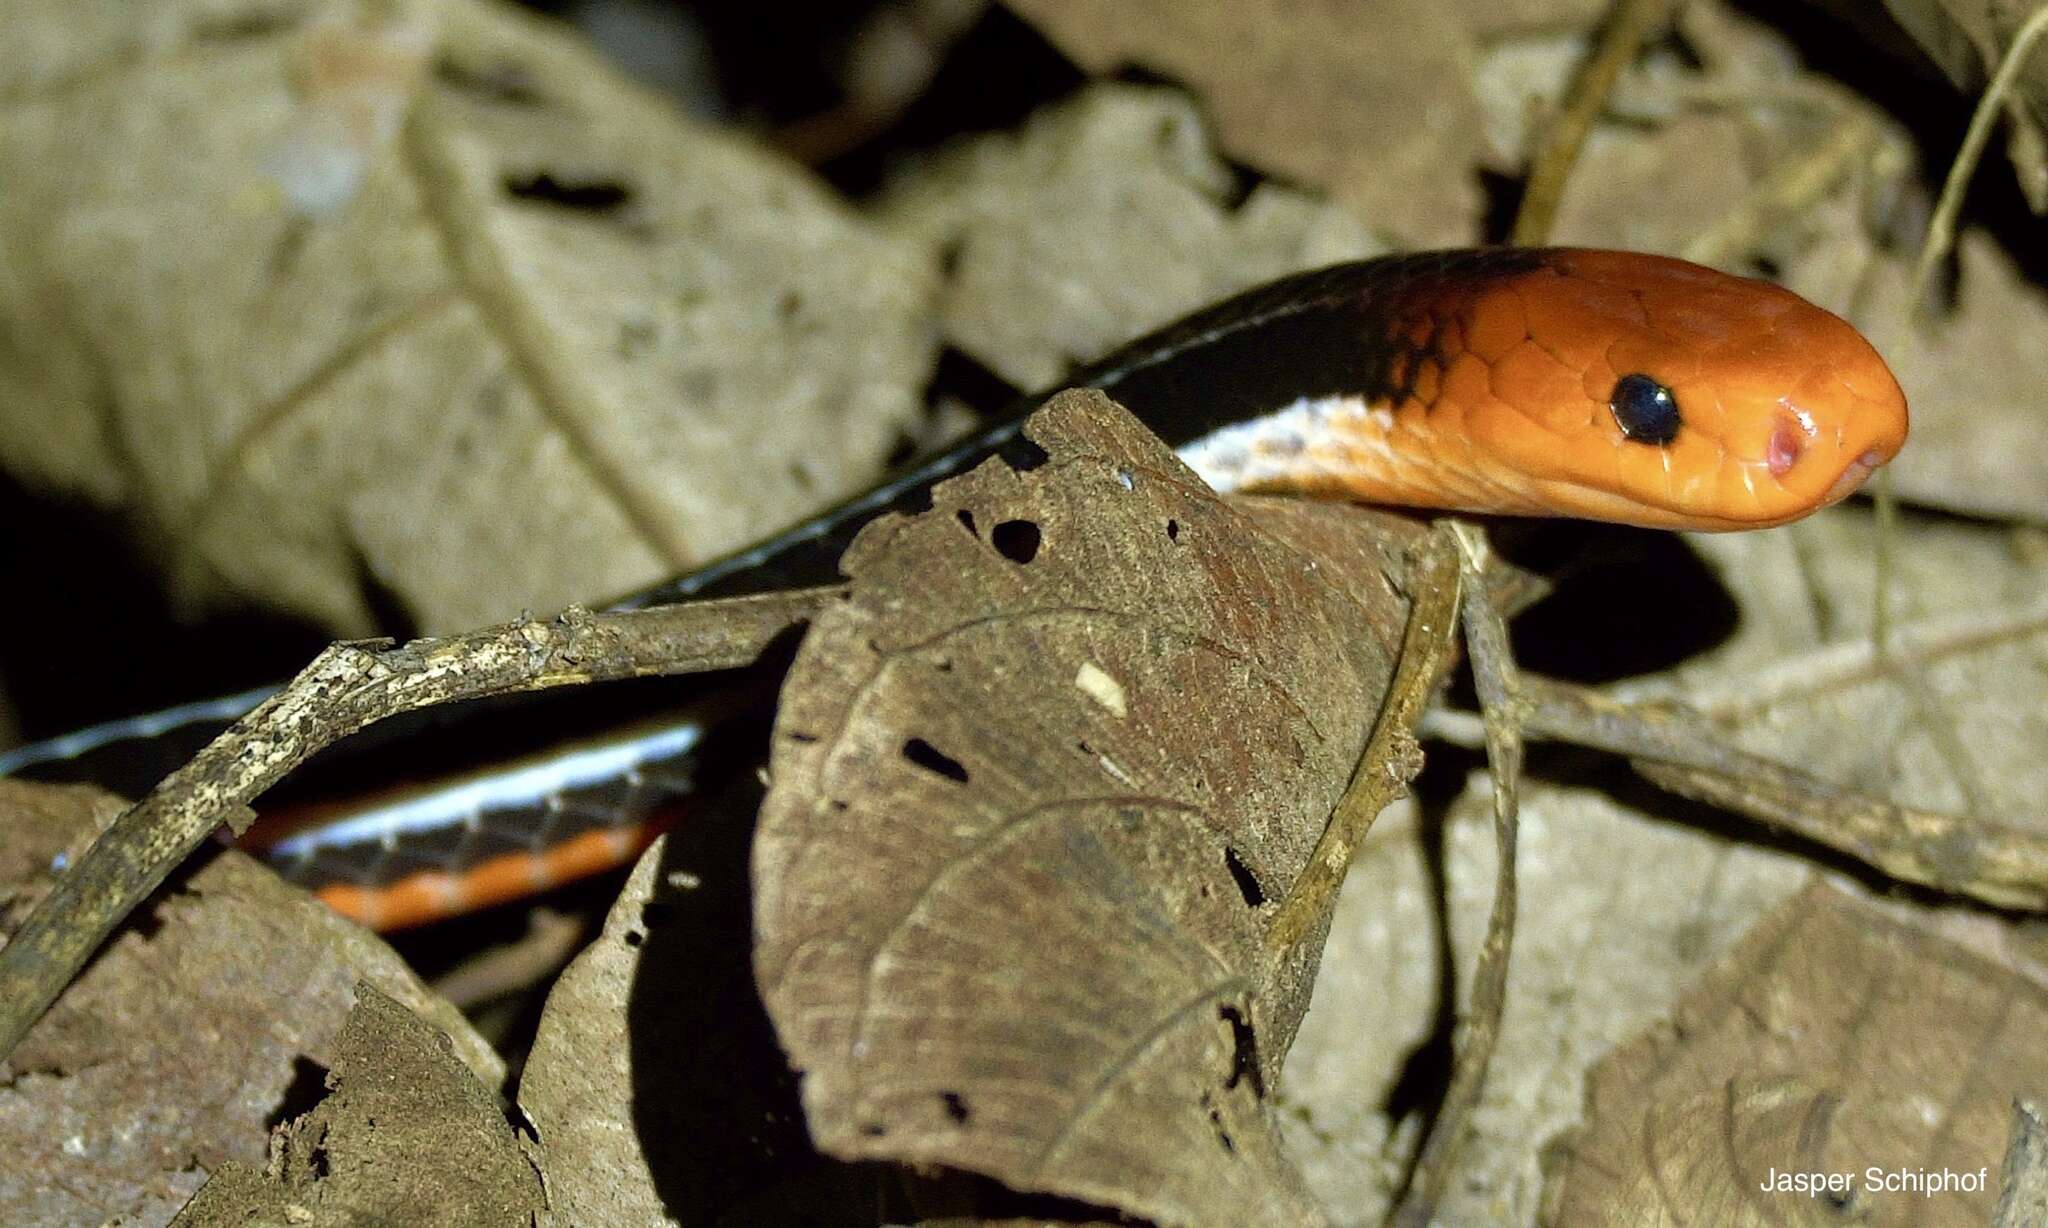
1371,103
188,1035
1951,722
518,352
1834,1039
1037,789
406,1135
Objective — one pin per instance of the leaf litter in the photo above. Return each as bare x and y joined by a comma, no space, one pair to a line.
1837,1037
514,366
1691,894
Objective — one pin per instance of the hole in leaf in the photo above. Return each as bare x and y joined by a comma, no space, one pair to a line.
956,1106
1222,1135
1247,883
1023,454
1173,530
594,196
932,759
966,519
1016,540
1244,1061
307,1088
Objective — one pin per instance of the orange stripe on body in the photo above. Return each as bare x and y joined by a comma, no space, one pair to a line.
419,899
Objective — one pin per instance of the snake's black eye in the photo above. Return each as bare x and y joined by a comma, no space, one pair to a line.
1645,409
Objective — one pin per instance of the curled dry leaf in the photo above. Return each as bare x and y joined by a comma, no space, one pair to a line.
181,1043
655,1088
1037,789
1835,1039
406,1135
427,290
579,1075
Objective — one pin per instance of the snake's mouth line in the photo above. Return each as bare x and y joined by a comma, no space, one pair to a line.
1854,477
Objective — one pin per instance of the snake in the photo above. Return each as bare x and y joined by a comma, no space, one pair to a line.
1612,386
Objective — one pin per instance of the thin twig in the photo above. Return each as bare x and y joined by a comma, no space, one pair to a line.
346,688
1495,676
1679,750
1391,757
1941,228
1627,26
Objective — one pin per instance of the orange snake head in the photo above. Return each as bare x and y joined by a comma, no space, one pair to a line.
1656,392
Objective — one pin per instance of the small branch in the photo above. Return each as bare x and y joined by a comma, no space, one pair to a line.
1497,680
1941,229
345,689
1391,757
1677,749
1627,26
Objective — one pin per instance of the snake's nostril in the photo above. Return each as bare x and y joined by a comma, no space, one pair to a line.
1787,442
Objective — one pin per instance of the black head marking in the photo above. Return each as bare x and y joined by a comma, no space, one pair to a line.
1644,409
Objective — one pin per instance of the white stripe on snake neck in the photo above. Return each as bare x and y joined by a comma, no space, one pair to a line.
524,786
1267,447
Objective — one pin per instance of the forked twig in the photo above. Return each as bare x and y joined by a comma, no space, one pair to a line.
1941,228
1446,586
347,688
1496,679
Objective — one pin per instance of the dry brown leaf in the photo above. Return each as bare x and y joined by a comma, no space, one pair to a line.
1037,790
1375,104
511,342
1834,1039
1618,914
1097,220
578,1079
406,1135
188,1034
1689,140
